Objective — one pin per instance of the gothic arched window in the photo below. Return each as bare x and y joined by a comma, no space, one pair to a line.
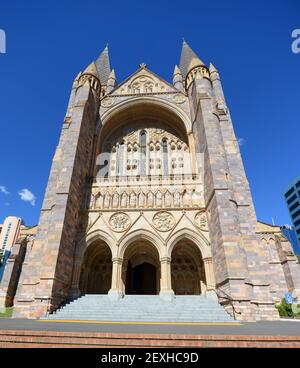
143,152
165,157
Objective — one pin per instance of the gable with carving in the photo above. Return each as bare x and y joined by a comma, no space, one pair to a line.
143,82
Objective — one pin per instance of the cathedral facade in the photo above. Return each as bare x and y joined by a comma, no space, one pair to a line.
147,194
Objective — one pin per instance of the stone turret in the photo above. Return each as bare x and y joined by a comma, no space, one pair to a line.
226,187
92,76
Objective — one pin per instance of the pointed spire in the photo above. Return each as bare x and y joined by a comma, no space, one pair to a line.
103,66
111,82
188,59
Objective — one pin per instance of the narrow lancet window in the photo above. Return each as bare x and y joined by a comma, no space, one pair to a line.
143,153
165,157
121,158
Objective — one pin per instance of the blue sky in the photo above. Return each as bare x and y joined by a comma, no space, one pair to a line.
49,43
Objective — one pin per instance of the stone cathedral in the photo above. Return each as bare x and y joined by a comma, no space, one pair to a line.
147,195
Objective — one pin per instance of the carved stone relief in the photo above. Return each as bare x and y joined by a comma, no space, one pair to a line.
119,222
163,221
107,102
201,221
179,98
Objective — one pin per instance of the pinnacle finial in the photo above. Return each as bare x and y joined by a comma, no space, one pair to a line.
143,65
176,70
112,74
111,82
177,79
212,68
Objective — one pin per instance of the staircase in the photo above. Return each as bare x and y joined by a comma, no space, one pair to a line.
143,308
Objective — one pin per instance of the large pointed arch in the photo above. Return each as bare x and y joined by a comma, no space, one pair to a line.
130,108
196,237
141,234
93,236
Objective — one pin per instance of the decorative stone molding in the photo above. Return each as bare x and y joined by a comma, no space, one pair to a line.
107,102
119,222
197,72
163,221
201,221
139,197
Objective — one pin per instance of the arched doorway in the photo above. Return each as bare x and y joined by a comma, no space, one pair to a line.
141,269
187,269
96,270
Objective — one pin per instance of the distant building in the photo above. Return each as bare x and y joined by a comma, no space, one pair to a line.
10,231
292,198
290,233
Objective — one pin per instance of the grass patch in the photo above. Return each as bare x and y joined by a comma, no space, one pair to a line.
8,313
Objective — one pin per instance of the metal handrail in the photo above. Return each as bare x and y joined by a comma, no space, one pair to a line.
49,301
226,297
48,306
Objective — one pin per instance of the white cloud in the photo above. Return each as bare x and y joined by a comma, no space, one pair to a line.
27,196
3,190
241,141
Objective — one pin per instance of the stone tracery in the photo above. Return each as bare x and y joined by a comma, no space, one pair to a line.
149,166
146,149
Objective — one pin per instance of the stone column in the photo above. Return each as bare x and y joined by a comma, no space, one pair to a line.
209,274
123,275
166,290
202,283
116,279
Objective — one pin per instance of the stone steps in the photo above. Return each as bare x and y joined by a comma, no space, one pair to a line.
143,308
